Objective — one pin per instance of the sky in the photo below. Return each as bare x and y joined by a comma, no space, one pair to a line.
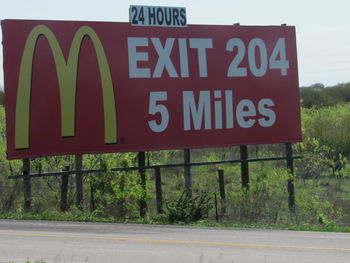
322,26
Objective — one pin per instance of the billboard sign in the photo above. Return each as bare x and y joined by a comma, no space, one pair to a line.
95,87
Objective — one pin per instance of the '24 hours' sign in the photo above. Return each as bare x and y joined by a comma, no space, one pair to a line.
163,16
94,87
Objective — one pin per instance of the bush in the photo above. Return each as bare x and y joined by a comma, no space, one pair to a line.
189,209
265,201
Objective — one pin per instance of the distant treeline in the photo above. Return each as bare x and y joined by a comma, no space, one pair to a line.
318,96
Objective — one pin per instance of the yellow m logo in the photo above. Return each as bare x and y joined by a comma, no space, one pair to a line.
67,78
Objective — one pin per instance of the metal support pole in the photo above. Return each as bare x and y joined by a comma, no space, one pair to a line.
142,162
79,181
290,167
64,191
187,172
244,167
92,198
222,190
159,194
27,186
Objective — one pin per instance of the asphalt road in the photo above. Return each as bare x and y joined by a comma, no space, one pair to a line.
70,242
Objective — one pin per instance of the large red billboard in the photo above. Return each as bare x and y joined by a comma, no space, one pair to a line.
95,87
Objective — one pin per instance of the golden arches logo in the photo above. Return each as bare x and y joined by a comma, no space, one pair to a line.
67,79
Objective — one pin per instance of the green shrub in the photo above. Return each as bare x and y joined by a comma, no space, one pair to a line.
265,201
189,209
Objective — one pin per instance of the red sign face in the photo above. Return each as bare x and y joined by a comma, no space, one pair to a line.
93,87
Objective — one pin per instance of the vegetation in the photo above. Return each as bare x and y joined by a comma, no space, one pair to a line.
317,96
189,209
1,96
322,180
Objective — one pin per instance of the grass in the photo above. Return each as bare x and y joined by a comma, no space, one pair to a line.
331,227
159,219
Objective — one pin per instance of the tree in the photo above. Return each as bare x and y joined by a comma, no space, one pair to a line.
340,92
317,86
326,134
318,96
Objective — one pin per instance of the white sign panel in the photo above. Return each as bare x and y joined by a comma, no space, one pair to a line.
162,16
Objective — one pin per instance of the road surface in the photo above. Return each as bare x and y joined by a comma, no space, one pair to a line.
72,242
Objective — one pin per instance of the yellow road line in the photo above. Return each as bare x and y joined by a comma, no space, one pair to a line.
182,242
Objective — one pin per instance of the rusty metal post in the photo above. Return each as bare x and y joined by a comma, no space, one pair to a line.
222,190
290,167
79,181
187,172
141,163
244,167
64,190
159,194
27,184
